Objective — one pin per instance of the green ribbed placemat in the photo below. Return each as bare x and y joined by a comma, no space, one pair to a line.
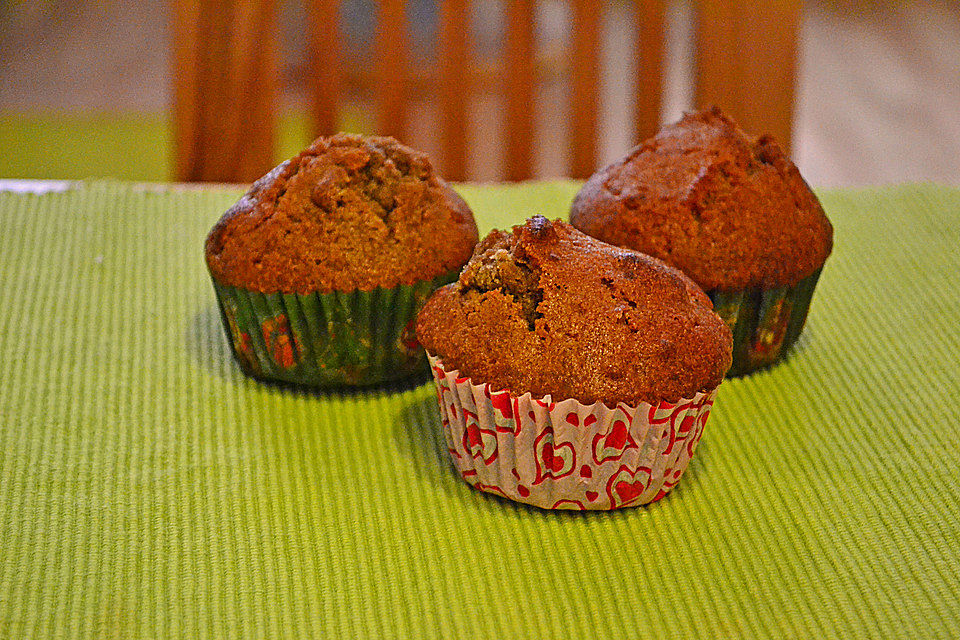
149,489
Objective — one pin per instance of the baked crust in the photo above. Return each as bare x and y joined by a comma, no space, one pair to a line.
728,209
547,309
347,213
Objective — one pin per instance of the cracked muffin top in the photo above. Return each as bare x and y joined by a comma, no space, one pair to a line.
347,213
547,309
728,209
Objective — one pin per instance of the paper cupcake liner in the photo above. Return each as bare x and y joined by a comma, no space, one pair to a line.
327,339
565,454
765,322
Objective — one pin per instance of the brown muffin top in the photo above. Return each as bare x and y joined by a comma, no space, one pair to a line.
347,213
550,310
729,209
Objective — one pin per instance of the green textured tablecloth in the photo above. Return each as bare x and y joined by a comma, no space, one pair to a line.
149,489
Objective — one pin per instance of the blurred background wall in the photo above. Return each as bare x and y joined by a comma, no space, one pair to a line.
85,87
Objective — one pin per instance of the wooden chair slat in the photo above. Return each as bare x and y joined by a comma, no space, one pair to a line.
255,76
746,62
226,90
186,78
770,34
649,91
585,86
455,86
326,82
717,58
391,68
519,77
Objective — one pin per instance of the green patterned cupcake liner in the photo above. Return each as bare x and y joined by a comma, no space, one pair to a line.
765,322
327,339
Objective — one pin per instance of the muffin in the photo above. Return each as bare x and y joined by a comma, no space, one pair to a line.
321,267
728,209
572,374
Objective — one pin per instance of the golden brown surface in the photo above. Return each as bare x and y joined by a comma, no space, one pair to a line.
346,213
728,209
550,310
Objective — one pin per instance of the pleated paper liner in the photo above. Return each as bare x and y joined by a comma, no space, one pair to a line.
562,454
765,322
327,339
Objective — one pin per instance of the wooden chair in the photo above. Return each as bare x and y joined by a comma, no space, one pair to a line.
227,78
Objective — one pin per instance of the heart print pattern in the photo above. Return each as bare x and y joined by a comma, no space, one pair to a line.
562,454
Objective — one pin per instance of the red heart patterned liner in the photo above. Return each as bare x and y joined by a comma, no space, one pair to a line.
565,454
